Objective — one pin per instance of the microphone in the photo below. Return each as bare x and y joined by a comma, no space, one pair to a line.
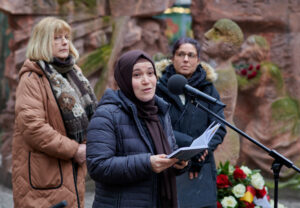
177,84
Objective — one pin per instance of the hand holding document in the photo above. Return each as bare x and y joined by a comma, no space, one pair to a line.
197,146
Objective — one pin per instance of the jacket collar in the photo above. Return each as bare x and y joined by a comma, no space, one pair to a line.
117,97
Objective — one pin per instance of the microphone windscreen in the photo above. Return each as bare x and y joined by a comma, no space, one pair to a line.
176,84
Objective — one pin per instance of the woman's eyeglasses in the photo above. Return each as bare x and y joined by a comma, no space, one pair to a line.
60,38
189,55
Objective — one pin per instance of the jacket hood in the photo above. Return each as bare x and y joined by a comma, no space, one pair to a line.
117,97
211,74
110,97
30,66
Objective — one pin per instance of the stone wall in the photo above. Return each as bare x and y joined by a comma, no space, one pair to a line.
277,22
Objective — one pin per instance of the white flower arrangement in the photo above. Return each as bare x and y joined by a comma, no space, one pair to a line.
239,190
257,181
246,170
228,202
241,187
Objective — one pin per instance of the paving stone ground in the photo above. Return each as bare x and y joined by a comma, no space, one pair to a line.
289,198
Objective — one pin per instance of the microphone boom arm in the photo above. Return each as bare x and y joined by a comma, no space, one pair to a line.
279,160
204,96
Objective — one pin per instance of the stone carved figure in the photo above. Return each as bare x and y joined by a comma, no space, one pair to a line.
220,44
146,35
274,116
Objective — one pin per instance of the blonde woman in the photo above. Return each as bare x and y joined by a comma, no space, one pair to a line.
54,103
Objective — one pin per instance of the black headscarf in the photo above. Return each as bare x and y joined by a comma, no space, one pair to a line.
123,71
148,111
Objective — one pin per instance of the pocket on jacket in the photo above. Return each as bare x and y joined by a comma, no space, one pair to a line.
44,172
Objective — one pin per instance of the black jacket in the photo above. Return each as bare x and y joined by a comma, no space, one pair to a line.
189,122
118,153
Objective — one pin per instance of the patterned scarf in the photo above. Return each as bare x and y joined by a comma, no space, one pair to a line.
74,95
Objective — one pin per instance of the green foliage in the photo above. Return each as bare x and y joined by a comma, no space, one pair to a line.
292,183
87,3
5,37
101,84
286,110
223,168
96,59
91,5
106,19
61,2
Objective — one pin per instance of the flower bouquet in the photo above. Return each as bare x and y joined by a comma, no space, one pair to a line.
241,187
249,71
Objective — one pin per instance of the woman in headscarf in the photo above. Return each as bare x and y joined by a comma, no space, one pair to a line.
129,137
54,103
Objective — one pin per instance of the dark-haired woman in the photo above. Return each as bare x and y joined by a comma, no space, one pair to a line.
197,187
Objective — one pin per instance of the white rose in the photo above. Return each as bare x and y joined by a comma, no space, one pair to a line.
246,170
239,190
257,181
228,201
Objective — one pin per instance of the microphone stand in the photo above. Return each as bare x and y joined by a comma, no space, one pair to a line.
279,160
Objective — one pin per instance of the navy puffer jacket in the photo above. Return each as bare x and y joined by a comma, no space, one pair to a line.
118,153
189,122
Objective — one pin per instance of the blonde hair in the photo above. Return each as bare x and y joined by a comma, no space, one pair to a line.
40,42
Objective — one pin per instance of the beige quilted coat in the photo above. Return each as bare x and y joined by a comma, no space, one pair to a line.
42,173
